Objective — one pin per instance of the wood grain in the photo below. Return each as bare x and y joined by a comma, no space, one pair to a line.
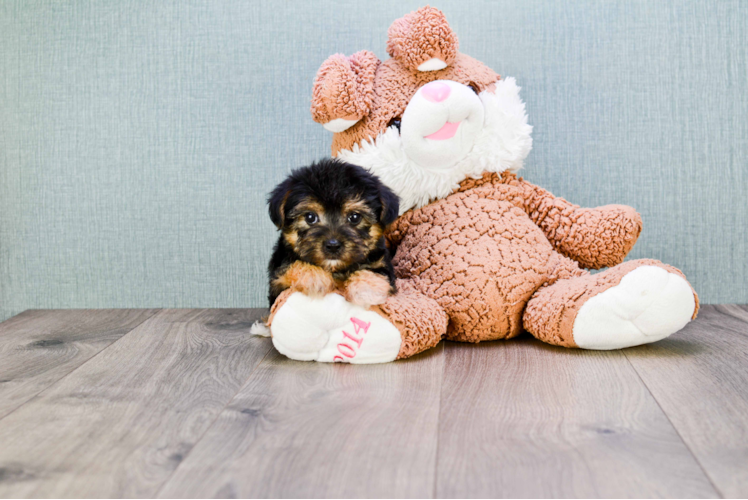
120,424
185,406
524,419
700,378
38,348
322,430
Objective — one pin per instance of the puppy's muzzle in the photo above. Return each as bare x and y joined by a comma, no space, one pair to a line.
332,246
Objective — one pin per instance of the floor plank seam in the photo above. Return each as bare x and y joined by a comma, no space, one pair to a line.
439,419
35,396
218,415
677,432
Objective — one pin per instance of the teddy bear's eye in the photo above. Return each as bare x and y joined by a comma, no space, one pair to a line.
395,122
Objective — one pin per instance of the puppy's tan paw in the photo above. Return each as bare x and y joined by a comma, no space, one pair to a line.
307,279
365,288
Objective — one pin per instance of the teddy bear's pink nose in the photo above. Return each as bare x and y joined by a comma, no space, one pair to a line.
436,91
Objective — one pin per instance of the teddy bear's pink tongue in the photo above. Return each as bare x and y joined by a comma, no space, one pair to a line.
446,132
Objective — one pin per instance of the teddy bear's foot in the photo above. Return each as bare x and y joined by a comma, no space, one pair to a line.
634,303
648,305
330,329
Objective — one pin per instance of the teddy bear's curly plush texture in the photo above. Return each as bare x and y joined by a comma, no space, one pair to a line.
487,250
395,86
594,237
550,314
482,254
344,87
422,322
420,36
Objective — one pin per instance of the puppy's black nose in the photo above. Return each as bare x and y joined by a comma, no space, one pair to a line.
332,245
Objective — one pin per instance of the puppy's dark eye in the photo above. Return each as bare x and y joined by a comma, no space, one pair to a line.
311,218
395,122
354,218
474,88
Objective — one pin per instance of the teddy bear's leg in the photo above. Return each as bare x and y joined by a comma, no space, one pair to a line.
331,329
422,322
633,303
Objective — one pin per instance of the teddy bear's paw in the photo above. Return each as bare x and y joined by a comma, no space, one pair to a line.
330,329
648,305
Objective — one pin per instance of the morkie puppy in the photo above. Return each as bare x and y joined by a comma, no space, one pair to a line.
332,216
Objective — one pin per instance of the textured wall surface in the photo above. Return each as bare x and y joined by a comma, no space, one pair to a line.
138,139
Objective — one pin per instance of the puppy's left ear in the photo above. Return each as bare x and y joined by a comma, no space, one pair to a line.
277,203
390,206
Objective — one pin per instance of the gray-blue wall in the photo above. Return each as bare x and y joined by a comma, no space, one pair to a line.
138,139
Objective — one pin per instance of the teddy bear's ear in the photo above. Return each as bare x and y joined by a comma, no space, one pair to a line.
344,90
422,40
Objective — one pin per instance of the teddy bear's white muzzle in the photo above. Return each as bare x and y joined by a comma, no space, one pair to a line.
441,123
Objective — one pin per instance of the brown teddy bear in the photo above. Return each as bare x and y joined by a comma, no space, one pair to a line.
480,254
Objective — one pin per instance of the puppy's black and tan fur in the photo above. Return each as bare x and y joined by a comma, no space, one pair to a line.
332,216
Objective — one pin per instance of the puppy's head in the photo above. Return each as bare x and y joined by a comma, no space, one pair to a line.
332,213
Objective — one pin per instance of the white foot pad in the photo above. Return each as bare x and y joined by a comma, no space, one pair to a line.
647,305
331,329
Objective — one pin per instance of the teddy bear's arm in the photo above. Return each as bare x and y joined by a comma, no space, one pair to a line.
594,237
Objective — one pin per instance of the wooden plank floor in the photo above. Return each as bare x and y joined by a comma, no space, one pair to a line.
185,403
